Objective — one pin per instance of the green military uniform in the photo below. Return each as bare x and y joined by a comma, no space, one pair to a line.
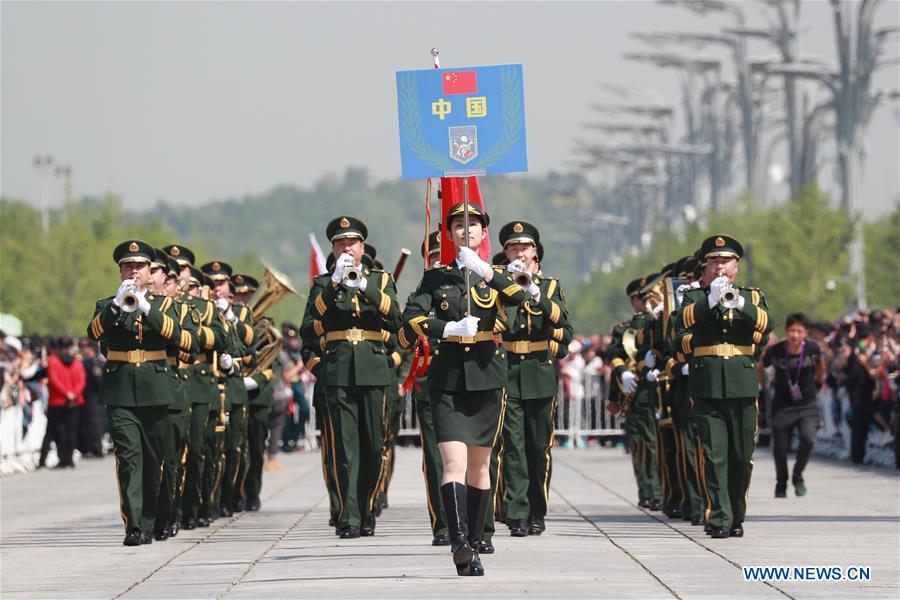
723,344
137,390
180,355
396,404
354,325
640,424
228,496
467,374
532,339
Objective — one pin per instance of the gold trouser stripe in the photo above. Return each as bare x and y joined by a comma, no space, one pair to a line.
547,458
502,415
431,512
334,472
381,469
121,495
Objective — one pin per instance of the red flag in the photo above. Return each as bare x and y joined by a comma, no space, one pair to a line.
316,259
452,193
460,82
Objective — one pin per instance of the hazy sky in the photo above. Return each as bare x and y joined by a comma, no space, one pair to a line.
193,102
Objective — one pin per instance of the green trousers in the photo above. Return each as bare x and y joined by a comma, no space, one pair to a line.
326,445
358,415
168,506
213,463
396,404
527,464
138,435
683,418
641,426
235,456
196,455
726,430
257,443
496,508
432,466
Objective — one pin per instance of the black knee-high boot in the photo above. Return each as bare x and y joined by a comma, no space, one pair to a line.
453,495
477,501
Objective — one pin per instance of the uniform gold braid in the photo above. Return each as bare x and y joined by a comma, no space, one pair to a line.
547,461
248,335
318,327
617,362
558,334
320,305
416,324
312,362
686,343
511,289
401,337
554,347
481,303
396,358
555,312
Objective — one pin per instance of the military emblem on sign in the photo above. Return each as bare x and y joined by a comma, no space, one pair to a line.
463,143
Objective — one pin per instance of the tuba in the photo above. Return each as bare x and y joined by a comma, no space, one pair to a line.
629,343
276,286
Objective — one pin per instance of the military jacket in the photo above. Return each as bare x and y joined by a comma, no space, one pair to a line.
211,340
701,330
531,374
352,316
140,383
618,359
181,353
439,298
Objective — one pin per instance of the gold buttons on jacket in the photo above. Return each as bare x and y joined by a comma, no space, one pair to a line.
467,348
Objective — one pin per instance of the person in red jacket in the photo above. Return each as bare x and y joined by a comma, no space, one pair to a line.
65,380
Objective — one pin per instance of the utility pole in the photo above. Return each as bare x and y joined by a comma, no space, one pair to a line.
42,163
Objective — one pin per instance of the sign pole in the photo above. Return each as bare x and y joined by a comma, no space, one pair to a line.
466,242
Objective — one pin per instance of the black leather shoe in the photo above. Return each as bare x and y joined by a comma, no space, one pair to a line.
368,528
440,539
799,487
473,569
719,532
536,525
781,490
655,505
349,532
189,524
202,522
697,520
484,547
253,504
238,505
174,528
132,538
146,537
214,514
707,529
736,531
518,528
331,521
644,503
675,513
161,535
226,512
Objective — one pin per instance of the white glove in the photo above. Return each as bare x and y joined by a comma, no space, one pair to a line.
650,359
715,290
516,266
466,327
534,290
226,363
224,307
142,302
652,375
470,259
120,293
629,382
250,384
345,261
741,302
685,369
363,284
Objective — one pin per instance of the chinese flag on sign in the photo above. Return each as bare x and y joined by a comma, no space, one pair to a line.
452,193
460,82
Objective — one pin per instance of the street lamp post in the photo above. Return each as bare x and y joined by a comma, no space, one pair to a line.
42,163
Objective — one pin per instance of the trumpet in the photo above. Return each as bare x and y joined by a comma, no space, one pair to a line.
729,296
352,276
523,278
129,299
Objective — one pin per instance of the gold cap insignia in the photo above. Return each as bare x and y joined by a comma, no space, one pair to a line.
133,247
239,279
518,228
345,222
643,281
445,305
175,251
719,242
216,266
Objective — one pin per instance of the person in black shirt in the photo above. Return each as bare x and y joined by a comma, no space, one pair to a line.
799,373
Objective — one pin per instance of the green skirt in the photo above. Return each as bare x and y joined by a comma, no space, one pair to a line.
474,418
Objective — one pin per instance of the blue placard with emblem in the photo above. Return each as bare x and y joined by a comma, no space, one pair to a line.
469,120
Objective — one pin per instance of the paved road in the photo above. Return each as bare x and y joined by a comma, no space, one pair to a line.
61,538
